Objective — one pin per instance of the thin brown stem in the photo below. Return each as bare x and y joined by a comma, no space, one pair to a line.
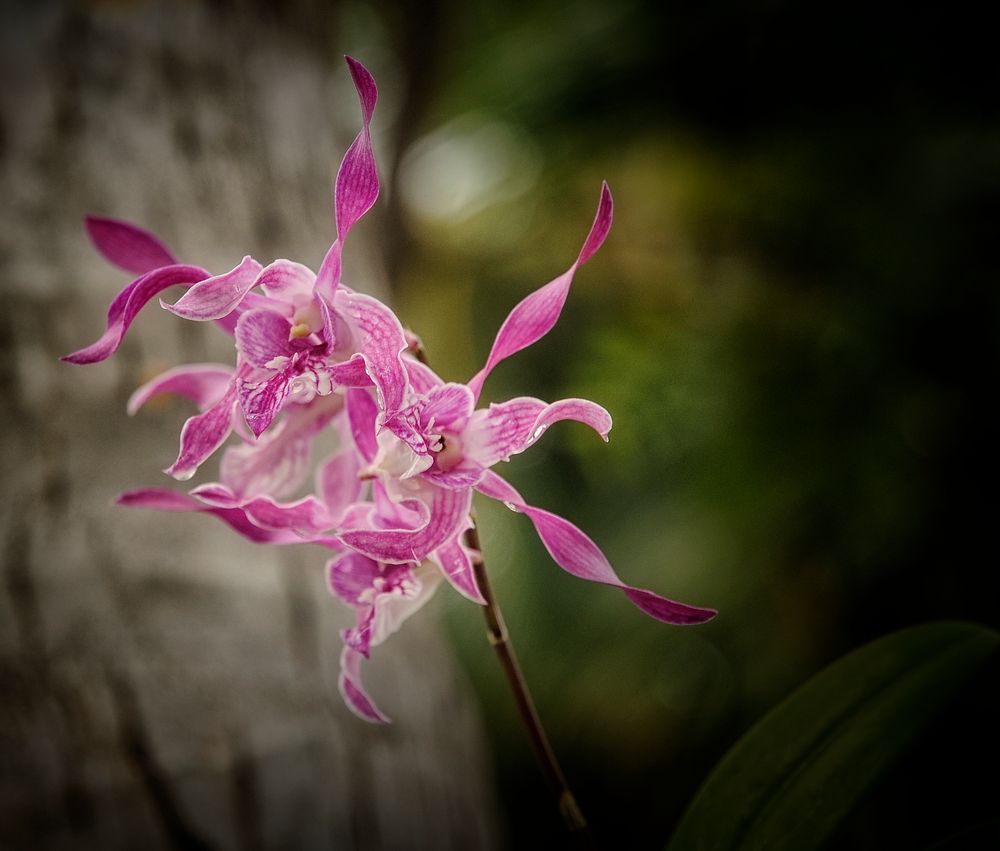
496,633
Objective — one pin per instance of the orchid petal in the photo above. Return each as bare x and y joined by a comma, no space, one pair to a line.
351,373
202,383
455,562
127,304
577,554
278,463
535,315
423,379
306,517
448,510
166,500
379,340
337,482
261,336
349,576
351,689
448,406
127,246
505,429
202,434
362,414
215,297
261,399
285,279
357,186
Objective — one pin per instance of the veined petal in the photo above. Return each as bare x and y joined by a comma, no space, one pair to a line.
356,187
278,462
127,304
285,279
577,554
166,500
261,336
261,398
455,562
505,429
535,315
448,511
203,434
353,691
337,482
351,373
215,297
202,383
349,576
362,414
306,517
379,340
447,407
127,246
423,379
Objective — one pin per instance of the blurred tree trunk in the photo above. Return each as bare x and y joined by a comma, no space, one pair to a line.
166,684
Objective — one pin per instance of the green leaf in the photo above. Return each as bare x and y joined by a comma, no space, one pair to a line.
791,780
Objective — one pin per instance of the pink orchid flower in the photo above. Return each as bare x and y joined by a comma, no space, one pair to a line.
303,336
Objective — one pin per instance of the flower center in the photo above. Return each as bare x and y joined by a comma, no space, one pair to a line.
450,454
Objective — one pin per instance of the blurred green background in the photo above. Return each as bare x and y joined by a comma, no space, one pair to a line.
793,322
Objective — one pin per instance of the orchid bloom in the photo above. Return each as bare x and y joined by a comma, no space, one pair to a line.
394,502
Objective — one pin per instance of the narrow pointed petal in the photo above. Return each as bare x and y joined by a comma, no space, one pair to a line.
306,517
285,279
505,429
337,482
165,500
362,414
379,340
203,434
356,188
278,463
578,555
216,297
202,383
456,565
261,336
127,246
353,691
127,304
535,315
448,511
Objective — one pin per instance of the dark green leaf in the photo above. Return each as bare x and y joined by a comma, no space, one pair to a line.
796,774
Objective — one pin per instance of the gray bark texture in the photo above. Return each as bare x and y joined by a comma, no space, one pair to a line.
164,683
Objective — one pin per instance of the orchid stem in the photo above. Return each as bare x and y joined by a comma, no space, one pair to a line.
496,633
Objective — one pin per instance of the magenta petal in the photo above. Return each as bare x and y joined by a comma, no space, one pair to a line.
350,575
448,511
285,279
278,463
357,180
337,482
447,407
350,373
165,500
505,429
577,554
535,315
379,340
456,565
261,336
202,435
306,517
423,379
353,692
127,304
362,414
215,297
261,399
129,247
202,383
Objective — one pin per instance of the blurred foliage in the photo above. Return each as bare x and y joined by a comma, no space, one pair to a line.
793,324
